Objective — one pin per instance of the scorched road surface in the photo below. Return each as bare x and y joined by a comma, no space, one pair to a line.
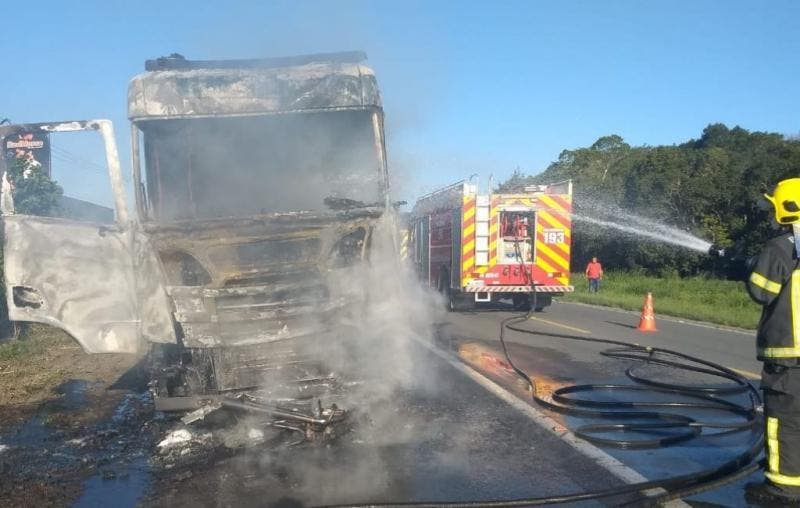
442,438
558,361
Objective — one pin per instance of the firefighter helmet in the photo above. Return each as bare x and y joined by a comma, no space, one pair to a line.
786,201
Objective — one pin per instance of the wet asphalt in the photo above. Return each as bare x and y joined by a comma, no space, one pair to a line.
560,361
442,438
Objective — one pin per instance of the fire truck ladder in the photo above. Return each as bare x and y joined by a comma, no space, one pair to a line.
482,214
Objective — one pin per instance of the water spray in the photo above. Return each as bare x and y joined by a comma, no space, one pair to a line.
796,234
610,216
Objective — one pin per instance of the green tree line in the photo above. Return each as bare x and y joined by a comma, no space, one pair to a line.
711,187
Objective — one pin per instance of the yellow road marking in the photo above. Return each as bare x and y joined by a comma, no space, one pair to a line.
746,373
581,330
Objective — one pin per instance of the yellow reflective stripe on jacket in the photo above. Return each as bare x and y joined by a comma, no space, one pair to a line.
794,302
782,479
774,457
780,352
764,283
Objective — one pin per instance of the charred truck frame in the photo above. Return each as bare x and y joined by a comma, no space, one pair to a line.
478,248
256,182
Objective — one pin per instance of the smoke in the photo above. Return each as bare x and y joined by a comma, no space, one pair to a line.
377,358
394,312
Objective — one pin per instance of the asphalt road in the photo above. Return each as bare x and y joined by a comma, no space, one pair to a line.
442,437
732,348
454,425
558,361
452,435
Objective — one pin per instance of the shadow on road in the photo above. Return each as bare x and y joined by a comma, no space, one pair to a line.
624,325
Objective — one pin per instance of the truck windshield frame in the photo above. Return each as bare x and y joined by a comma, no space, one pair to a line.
227,166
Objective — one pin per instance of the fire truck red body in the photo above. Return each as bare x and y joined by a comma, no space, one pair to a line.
483,248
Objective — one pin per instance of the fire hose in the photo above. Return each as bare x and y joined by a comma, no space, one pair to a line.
705,397
656,422
630,418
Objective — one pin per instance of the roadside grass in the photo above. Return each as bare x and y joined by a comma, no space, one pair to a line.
31,344
34,367
716,301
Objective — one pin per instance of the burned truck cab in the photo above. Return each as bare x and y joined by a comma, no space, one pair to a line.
258,185
256,181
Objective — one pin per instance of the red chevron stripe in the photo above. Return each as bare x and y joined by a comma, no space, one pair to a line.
561,220
547,259
565,204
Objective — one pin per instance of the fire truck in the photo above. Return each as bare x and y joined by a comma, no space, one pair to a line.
481,248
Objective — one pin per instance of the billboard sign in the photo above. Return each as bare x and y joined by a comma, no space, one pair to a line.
31,146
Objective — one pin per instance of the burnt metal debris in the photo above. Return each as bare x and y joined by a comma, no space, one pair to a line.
258,185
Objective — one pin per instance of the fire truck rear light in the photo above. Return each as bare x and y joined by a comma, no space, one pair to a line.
556,274
476,275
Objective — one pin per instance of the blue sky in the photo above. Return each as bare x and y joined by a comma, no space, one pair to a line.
469,87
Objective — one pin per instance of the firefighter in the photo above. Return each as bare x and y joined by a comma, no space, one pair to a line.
775,284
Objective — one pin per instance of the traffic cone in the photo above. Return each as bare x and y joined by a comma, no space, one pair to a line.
647,323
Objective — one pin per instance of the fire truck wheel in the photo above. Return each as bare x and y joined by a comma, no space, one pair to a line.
521,302
543,301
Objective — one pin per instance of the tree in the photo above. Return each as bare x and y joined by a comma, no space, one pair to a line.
611,142
34,192
516,182
710,187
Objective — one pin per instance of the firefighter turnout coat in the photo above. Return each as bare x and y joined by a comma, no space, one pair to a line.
775,283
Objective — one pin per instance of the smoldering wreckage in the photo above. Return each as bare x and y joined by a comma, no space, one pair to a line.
261,197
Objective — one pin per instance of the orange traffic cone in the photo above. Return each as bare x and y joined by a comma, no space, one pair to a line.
647,323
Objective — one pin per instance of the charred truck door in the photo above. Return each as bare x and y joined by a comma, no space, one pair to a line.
98,282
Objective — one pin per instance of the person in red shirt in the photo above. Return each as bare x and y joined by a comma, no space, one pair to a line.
594,272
